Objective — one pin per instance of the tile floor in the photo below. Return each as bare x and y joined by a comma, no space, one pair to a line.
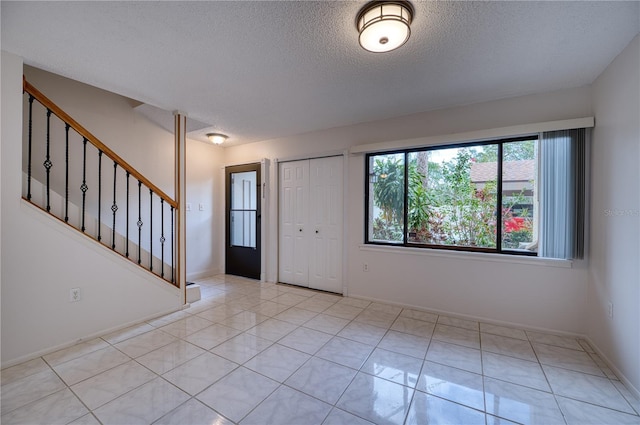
254,353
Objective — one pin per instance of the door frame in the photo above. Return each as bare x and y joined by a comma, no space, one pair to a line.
259,207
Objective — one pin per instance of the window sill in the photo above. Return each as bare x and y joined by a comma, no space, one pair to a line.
477,256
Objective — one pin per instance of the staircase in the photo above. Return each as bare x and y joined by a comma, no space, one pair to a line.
71,175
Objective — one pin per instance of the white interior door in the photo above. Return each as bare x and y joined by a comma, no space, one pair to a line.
311,215
325,223
294,215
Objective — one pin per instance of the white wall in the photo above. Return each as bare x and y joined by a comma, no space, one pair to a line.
205,185
615,214
42,260
539,295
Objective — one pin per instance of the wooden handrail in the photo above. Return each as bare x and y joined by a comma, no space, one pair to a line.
55,109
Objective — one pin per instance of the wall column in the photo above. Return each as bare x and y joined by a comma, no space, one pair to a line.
180,131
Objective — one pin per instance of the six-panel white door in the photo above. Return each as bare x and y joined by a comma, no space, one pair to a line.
311,215
294,212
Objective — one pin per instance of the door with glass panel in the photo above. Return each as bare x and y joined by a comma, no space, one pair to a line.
243,220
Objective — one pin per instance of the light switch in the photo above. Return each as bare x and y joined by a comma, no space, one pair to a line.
201,207
188,206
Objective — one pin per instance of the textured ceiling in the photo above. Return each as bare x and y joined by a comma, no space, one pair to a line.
258,70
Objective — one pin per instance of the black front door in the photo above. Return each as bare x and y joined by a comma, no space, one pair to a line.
243,220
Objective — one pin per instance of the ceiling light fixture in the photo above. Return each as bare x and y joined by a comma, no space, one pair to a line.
217,138
384,25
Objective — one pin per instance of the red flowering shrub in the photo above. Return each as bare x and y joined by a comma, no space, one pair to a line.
514,224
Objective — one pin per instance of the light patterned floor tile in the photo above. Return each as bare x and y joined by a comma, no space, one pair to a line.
465,358
75,351
340,417
277,362
387,404
428,409
238,393
333,360
306,340
503,331
585,387
567,358
142,344
508,346
395,367
288,406
402,343
517,371
452,384
362,332
23,370
458,322
89,365
145,404
322,379
197,374
192,412
327,324
579,413
30,388
60,407
419,315
456,335
343,351
170,356
102,388
521,404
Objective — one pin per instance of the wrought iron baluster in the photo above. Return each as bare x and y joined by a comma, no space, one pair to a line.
173,246
99,195
139,223
127,231
47,162
84,186
66,173
30,137
162,236
114,207
150,230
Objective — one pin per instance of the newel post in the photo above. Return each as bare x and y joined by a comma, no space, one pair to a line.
180,125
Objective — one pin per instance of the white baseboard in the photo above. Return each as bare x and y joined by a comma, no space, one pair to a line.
472,317
202,274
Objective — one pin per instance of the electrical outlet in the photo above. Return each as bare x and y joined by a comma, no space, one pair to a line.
610,311
365,267
74,295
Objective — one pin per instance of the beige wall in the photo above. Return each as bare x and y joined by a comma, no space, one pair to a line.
615,214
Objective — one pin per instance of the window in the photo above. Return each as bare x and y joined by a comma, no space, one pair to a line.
483,196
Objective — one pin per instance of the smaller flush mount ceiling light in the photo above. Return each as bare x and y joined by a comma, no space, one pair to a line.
217,138
384,25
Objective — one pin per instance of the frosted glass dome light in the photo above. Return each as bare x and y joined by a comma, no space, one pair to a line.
384,25
217,138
